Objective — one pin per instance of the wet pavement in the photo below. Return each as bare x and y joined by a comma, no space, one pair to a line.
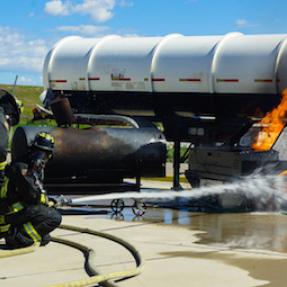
257,230
180,248
243,231
253,242
246,232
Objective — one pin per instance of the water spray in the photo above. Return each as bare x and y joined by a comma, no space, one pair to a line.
263,192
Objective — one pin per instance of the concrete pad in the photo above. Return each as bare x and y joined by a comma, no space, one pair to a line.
173,256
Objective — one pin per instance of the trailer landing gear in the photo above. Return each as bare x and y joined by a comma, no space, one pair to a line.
117,205
138,207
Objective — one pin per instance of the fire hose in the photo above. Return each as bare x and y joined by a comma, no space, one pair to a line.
95,276
19,251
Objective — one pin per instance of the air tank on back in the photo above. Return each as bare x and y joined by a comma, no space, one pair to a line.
234,75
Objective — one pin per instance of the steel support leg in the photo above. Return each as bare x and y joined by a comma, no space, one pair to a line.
176,166
138,182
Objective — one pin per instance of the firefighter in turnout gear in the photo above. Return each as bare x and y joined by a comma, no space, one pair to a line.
10,109
4,128
27,217
9,115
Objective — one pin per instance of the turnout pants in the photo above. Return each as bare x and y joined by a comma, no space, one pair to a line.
32,224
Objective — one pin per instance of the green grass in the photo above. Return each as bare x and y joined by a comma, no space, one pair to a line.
29,95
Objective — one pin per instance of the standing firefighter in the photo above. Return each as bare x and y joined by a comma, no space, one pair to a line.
28,215
3,143
4,127
9,115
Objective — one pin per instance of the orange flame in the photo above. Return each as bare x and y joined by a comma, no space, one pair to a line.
273,123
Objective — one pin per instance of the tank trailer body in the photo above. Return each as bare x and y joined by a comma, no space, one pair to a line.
206,90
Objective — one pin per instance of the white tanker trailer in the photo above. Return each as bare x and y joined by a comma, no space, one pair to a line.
234,74
206,90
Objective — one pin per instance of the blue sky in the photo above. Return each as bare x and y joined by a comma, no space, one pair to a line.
29,28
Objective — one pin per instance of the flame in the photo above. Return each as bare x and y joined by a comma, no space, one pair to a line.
273,123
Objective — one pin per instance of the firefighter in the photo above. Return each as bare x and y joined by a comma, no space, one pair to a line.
10,109
9,116
3,140
4,127
4,131
27,213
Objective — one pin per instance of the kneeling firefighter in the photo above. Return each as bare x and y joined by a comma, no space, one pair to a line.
27,217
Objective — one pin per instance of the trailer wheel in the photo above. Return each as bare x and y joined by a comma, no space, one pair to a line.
117,205
139,208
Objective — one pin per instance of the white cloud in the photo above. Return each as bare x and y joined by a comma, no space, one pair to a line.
125,3
83,29
243,23
57,7
25,80
17,53
98,10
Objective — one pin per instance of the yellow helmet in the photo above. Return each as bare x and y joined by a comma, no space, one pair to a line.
44,141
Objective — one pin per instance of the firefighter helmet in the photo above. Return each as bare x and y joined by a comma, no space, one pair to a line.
12,107
44,141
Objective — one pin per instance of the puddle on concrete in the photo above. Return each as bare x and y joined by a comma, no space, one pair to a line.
257,231
247,231
270,270
261,231
266,231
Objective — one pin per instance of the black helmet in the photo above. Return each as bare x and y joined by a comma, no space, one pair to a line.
11,106
44,141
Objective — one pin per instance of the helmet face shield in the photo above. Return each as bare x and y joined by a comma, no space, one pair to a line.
38,162
41,153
